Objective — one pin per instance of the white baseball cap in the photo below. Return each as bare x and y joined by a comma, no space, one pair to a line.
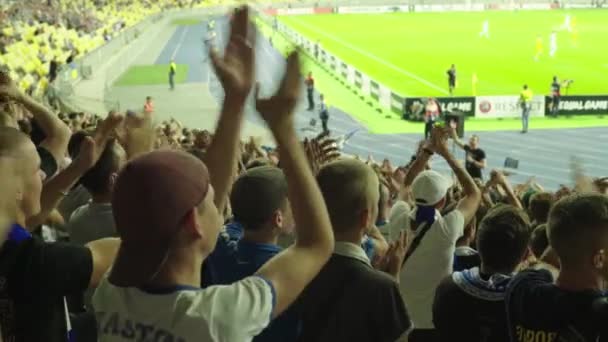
430,187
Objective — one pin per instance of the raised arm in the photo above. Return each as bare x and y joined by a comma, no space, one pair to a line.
455,138
293,269
91,149
470,202
57,133
503,182
422,159
235,72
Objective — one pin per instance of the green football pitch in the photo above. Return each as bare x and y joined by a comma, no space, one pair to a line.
411,52
151,75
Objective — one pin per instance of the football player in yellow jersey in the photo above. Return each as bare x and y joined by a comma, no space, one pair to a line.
539,48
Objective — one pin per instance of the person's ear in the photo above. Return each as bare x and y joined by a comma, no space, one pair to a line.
277,219
113,178
191,223
366,219
599,259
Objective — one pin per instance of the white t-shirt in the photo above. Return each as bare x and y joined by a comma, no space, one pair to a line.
231,313
431,262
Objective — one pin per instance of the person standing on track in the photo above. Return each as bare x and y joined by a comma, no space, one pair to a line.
475,156
452,79
432,112
525,100
323,114
555,95
172,72
149,106
310,90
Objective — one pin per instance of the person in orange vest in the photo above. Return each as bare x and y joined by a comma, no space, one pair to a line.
149,105
310,89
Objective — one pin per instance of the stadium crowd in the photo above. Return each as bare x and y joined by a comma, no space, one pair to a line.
116,229
38,38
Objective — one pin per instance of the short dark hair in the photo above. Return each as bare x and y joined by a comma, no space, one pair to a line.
539,240
97,179
257,194
257,163
578,226
540,204
503,238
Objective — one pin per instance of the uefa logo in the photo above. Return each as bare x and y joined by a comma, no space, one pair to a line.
485,106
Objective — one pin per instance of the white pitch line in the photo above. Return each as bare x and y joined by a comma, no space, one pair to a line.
181,41
374,57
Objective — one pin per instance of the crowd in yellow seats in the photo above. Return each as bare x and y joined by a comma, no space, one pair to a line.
34,34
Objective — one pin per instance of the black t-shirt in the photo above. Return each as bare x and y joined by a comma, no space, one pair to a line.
34,278
537,307
48,164
477,155
474,315
555,88
350,301
452,76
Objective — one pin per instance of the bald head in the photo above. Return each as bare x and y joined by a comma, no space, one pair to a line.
351,192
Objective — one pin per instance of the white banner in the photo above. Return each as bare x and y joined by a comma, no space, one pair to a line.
446,8
350,74
385,96
589,5
371,9
506,107
365,87
295,11
537,6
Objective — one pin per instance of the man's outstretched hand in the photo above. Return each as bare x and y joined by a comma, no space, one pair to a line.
278,110
93,147
235,69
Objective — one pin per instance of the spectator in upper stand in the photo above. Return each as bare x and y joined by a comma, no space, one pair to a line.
465,256
430,256
32,313
540,204
558,305
349,300
160,289
539,240
477,294
259,203
94,220
475,156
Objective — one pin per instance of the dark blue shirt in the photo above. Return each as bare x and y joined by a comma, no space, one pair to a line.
234,259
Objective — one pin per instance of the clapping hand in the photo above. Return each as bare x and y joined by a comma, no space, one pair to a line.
393,259
278,110
439,141
92,147
235,69
320,151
